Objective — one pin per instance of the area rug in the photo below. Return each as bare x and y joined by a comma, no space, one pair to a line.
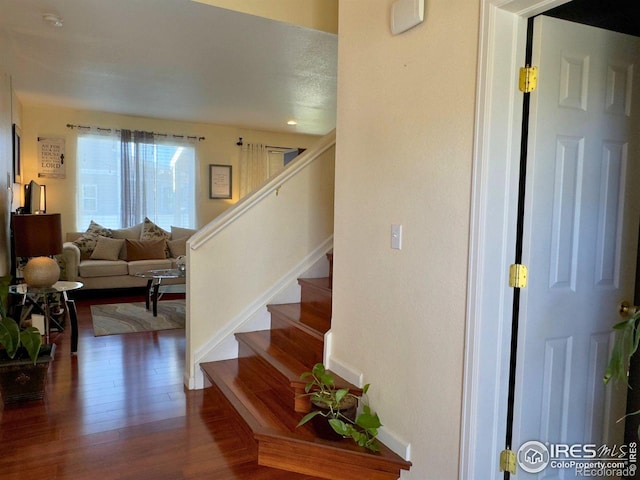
118,318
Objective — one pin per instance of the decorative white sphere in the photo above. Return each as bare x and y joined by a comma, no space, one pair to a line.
41,272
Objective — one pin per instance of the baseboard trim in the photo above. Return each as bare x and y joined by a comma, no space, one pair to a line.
352,375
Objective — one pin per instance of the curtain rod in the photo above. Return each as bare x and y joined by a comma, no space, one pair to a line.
109,130
240,143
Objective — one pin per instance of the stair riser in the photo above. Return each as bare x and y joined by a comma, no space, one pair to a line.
246,428
316,298
318,460
284,342
303,317
288,396
313,349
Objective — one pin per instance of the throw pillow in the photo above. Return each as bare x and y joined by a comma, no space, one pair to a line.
107,248
97,229
180,232
145,249
87,241
177,247
130,232
151,231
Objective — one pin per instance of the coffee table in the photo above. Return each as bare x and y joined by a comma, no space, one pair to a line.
34,295
155,287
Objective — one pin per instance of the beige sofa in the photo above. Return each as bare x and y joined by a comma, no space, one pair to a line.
106,258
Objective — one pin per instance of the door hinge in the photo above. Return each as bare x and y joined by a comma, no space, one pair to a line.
528,79
517,275
508,462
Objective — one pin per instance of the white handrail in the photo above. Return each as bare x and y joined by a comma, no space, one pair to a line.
244,205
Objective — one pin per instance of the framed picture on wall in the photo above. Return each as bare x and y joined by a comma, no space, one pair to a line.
220,181
17,157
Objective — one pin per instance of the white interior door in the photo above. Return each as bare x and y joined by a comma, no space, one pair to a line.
581,228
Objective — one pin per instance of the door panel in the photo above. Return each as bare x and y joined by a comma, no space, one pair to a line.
581,233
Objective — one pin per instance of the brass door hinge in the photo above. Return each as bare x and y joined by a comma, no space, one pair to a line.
508,462
528,79
517,276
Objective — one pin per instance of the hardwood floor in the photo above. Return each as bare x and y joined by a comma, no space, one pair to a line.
118,410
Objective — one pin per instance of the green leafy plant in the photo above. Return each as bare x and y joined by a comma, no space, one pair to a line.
11,337
321,389
625,345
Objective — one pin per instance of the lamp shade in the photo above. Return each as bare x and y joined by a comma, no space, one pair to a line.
37,235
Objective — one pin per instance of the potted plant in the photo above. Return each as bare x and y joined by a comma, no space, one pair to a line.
24,361
337,408
624,347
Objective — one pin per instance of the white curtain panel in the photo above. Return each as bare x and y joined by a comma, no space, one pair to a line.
254,167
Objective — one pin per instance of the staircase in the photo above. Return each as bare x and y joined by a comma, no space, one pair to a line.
263,385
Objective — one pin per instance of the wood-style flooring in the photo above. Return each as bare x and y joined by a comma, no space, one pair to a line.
119,410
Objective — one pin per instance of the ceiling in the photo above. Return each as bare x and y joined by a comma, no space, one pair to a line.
171,59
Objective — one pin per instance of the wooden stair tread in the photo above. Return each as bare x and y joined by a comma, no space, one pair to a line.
247,385
306,318
285,363
278,356
322,283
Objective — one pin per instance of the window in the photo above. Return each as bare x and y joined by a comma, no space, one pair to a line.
163,182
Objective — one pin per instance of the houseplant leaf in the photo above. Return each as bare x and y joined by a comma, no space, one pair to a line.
9,336
31,340
308,417
368,421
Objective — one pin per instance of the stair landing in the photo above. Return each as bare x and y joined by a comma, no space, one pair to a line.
258,394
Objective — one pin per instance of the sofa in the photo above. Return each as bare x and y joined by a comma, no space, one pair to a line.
103,258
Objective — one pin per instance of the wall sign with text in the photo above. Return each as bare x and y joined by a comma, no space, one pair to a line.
51,159
219,181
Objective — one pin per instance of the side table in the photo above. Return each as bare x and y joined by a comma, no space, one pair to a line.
154,284
32,295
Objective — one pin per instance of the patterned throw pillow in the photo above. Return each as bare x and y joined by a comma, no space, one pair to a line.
87,242
151,231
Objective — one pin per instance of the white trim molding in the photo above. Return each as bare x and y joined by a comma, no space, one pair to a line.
503,26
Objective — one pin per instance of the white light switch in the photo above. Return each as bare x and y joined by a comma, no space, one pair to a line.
396,237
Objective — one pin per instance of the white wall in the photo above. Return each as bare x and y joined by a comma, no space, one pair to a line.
218,148
404,155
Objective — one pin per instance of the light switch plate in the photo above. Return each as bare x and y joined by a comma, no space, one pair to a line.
406,14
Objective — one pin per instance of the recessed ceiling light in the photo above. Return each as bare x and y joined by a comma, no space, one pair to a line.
292,122
52,19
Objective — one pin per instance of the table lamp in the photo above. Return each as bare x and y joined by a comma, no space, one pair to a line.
38,236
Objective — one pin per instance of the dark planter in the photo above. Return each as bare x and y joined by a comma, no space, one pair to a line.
320,423
21,380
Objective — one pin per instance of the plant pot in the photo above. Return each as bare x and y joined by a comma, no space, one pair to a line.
21,380
323,429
